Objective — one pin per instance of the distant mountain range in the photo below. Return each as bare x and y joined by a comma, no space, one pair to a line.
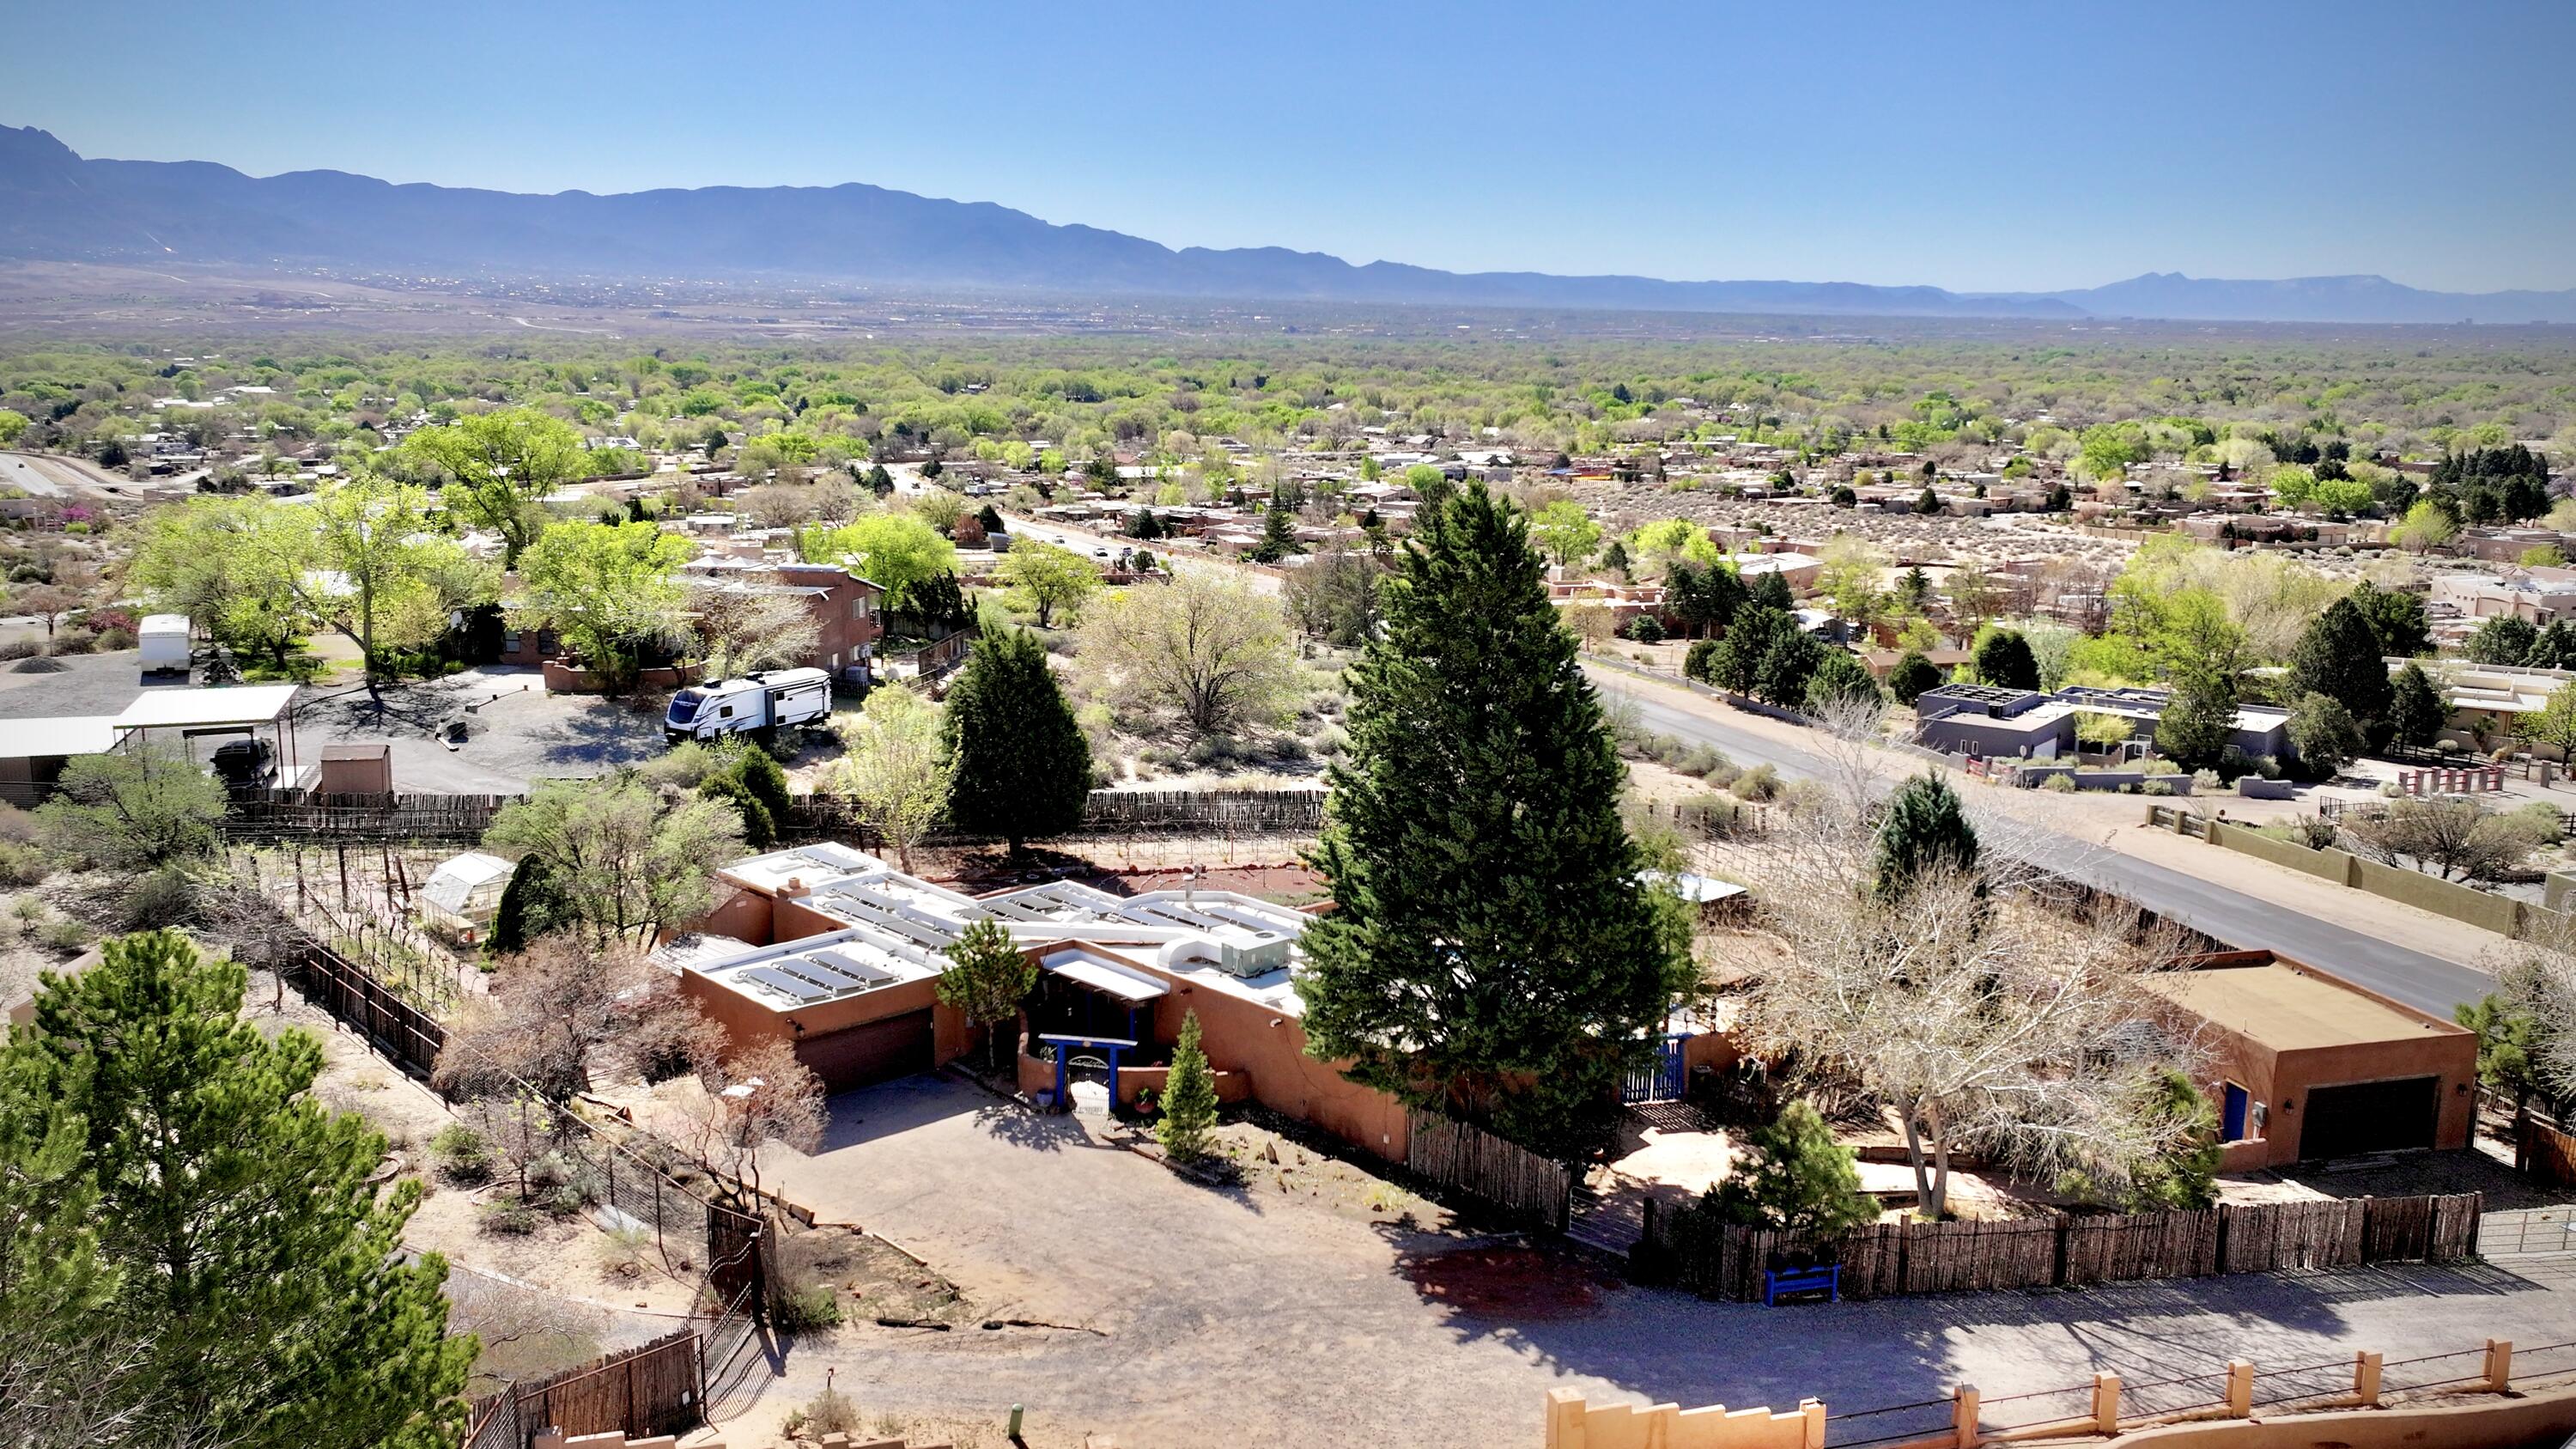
56,205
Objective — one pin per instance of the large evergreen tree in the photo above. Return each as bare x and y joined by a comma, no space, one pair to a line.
2338,656
261,1277
1926,828
2005,660
2398,619
1492,951
2417,709
1023,767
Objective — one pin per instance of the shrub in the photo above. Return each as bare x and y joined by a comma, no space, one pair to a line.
1701,659
2158,765
115,639
20,649
461,1155
829,1412
1759,783
2156,787
21,865
2059,784
814,1305
508,1219
65,937
2543,820
2205,779
166,897
1646,629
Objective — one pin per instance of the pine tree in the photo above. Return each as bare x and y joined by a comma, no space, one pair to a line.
1771,591
1278,538
2005,660
1839,675
2193,727
1023,766
259,1268
986,979
2417,709
1492,950
1795,1178
2338,656
2397,619
1912,676
1925,829
1189,1097
530,907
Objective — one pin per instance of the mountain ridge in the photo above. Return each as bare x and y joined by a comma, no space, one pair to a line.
56,205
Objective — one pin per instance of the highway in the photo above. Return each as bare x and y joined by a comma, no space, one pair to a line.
2426,983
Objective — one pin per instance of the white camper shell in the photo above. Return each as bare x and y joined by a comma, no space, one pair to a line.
768,699
163,641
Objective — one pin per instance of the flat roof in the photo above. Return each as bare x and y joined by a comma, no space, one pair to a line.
236,704
80,734
1102,974
2290,1007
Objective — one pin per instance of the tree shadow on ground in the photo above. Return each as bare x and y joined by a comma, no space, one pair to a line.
1573,1312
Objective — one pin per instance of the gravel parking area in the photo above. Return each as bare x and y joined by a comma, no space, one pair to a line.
516,732
1195,1315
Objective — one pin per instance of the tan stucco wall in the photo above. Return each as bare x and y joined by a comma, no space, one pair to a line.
2544,1417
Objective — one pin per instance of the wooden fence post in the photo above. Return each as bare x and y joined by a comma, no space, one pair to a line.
2365,1379
1564,1419
2499,1367
1963,1416
2240,1389
2106,1404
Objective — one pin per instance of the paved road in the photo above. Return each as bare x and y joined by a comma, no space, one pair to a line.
2427,983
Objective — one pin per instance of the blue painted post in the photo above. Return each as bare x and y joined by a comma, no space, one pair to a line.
1059,1074
1113,1079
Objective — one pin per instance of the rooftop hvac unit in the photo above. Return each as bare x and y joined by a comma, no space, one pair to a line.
1263,953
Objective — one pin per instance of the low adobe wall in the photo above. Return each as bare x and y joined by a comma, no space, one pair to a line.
1231,1087
562,678
2484,909
2546,1417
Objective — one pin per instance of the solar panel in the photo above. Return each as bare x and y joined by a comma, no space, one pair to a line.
803,993
850,965
821,975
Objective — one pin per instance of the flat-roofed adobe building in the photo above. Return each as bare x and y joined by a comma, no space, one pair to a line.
839,953
2307,1066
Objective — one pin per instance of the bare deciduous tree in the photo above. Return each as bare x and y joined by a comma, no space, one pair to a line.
740,630
760,1095
2446,838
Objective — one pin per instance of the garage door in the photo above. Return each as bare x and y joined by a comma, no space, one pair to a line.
2371,1117
875,1052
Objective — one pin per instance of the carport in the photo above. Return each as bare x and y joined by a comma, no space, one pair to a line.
201,720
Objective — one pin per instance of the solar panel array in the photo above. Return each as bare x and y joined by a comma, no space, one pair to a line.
818,976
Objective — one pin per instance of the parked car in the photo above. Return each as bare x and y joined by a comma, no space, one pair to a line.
245,762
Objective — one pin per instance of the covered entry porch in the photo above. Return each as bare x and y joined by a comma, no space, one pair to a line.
1089,1016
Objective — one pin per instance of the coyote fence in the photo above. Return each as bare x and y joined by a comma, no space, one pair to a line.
1478,1163
655,1388
2543,1151
1888,1260
297,814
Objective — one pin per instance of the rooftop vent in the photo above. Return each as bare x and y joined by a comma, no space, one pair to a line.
1262,953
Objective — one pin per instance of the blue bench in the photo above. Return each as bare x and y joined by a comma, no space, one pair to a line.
1825,1278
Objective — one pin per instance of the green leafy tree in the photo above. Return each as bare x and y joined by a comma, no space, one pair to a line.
2553,725
1023,768
1189,1097
2004,660
1566,533
134,810
2200,650
1737,664
2554,648
1924,831
261,1271
500,464
894,767
1492,951
2417,709
1701,661
13,426
2427,526
1794,1178
2508,1047
985,980
1046,579
611,591
898,552
194,558
2324,733
2503,639
1912,676
622,863
2339,657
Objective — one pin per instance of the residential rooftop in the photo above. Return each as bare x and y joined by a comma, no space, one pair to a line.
2288,1006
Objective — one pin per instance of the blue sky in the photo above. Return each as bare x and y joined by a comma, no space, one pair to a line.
1973,146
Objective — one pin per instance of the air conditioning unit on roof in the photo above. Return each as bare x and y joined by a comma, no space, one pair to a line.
1260,953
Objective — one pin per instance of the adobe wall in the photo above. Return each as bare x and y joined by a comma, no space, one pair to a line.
748,1021
2546,1417
1231,1086
746,915
2453,1057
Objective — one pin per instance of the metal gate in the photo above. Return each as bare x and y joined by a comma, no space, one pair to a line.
2528,1233
1659,1078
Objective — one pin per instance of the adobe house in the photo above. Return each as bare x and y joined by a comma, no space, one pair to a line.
2306,1065
839,953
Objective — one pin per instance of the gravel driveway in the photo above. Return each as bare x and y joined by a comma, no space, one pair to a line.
1214,1316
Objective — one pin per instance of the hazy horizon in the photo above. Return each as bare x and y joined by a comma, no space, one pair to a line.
2042,149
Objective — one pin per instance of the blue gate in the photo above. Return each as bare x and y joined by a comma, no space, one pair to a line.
1660,1078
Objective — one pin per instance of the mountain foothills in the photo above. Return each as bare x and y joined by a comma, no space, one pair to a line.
56,205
